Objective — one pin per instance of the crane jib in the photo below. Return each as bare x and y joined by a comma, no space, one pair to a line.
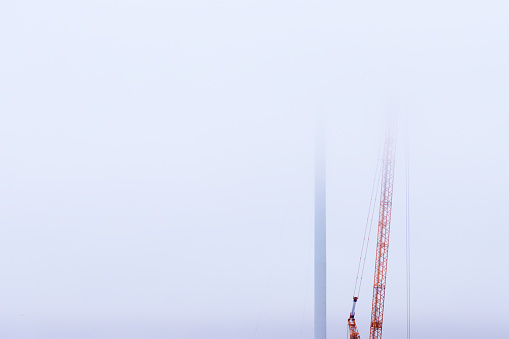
382,248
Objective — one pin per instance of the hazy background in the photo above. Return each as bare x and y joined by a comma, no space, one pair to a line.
157,165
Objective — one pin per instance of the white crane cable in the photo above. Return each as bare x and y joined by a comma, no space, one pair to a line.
407,233
369,221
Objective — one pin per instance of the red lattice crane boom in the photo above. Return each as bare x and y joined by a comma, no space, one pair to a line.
382,246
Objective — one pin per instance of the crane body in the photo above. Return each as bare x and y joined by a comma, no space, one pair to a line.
382,247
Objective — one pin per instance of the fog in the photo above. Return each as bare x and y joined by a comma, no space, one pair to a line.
157,165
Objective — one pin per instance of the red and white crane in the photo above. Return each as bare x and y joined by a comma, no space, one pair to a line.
382,246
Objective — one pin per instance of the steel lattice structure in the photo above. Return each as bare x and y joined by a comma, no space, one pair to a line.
382,247
352,327
384,227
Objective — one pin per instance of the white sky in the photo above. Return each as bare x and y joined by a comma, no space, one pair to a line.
157,165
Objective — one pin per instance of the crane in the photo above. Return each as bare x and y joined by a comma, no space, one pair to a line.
382,245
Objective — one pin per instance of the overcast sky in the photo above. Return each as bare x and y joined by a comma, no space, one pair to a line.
157,165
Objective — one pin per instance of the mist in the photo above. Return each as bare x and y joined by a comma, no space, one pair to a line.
157,165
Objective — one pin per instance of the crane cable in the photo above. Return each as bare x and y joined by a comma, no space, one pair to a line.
407,233
369,221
